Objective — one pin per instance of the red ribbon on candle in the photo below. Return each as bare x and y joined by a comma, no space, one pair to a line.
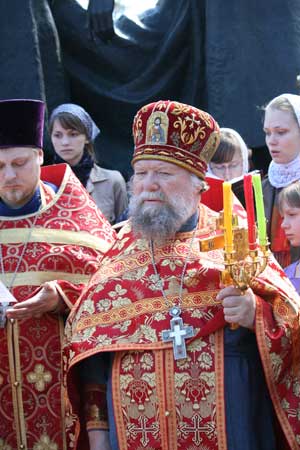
250,211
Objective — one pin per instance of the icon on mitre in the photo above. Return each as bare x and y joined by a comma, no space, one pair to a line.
157,128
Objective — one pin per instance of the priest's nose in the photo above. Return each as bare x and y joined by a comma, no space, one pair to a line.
8,173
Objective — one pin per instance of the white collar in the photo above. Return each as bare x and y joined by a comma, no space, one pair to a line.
280,175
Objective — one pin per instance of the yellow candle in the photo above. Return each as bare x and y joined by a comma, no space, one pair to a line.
227,211
260,210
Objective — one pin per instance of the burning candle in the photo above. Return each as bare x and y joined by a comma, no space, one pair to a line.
227,212
260,210
250,211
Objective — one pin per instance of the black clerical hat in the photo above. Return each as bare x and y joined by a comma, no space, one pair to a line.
21,123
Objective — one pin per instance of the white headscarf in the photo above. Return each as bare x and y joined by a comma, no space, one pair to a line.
243,148
81,114
281,175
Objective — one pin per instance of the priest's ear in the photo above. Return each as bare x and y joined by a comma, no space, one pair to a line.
40,156
203,186
199,185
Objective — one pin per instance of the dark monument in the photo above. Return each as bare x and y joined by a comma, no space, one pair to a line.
229,58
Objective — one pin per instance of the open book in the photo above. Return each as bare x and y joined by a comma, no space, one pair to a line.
238,187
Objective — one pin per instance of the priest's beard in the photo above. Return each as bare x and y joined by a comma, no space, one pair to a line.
159,221
17,197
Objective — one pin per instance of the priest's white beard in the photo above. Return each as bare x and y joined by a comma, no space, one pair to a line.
161,221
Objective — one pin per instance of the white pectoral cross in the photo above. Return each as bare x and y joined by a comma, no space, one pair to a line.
178,333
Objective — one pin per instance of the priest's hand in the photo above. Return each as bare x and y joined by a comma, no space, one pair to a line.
100,19
239,307
46,300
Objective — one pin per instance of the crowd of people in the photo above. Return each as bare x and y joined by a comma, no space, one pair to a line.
135,340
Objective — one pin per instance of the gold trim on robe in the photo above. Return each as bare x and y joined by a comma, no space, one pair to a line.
159,402
67,244
83,238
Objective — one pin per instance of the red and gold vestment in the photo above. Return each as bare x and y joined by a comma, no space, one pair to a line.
66,243
160,403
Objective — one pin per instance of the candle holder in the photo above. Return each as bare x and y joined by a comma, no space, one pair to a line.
240,272
242,264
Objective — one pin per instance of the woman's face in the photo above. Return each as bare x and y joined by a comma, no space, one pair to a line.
68,143
282,135
229,170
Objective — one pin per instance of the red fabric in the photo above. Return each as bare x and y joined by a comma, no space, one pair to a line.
123,311
36,405
175,132
279,244
213,197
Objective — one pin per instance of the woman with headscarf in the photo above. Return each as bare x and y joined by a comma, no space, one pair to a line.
72,132
282,130
229,163
231,160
